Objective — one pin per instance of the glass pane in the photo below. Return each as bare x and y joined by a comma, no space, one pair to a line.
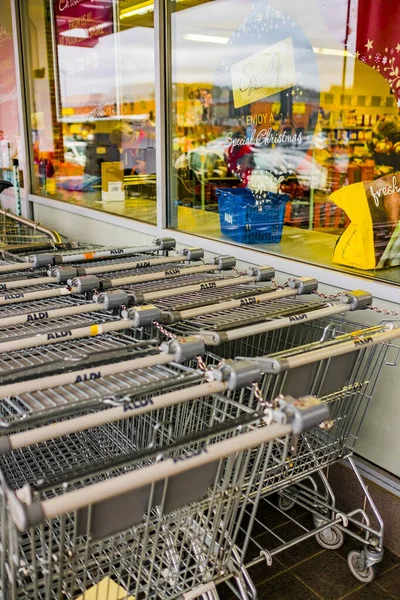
93,103
286,132
9,126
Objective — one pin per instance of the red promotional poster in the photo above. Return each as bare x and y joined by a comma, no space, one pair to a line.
378,39
82,22
8,88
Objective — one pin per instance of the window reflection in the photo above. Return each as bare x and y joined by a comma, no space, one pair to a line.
295,102
9,126
93,103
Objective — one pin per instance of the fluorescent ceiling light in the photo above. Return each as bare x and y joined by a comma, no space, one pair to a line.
213,39
332,52
140,9
77,33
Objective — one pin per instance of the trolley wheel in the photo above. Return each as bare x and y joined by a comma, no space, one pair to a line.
331,538
357,567
285,503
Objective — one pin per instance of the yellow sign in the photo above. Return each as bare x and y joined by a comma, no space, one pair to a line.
107,589
264,73
299,108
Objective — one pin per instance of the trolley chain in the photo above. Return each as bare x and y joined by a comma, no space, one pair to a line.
329,296
384,311
164,331
276,285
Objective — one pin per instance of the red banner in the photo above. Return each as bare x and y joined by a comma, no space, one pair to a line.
378,39
9,127
82,22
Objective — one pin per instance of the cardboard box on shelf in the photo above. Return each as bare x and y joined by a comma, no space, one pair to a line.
112,182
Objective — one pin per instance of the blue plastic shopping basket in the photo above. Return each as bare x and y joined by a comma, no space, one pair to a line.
243,220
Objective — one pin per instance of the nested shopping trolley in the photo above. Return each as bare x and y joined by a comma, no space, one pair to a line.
156,505
18,233
341,367
73,253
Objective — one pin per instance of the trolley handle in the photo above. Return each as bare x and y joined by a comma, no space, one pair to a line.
275,366
30,515
356,300
177,350
230,376
44,260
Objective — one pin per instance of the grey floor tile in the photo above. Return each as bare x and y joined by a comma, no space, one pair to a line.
267,517
285,587
262,572
224,592
301,551
328,575
369,592
390,582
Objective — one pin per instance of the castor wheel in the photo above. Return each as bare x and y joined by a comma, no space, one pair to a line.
358,567
285,504
330,538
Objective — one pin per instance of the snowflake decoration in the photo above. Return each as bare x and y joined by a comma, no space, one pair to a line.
363,58
391,50
378,57
243,26
384,60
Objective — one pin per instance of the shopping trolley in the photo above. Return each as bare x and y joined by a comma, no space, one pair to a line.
110,267
43,383
80,253
341,367
156,513
19,233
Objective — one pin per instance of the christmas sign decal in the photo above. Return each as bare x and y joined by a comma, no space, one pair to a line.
264,74
267,88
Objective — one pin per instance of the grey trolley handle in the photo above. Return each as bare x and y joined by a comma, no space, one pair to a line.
254,275
177,350
44,260
279,365
351,301
64,274
290,422
89,283
299,286
233,375
143,316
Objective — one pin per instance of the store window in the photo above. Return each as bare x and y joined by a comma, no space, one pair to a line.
93,108
9,126
286,131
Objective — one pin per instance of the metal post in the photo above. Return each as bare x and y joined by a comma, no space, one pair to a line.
25,157
166,212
